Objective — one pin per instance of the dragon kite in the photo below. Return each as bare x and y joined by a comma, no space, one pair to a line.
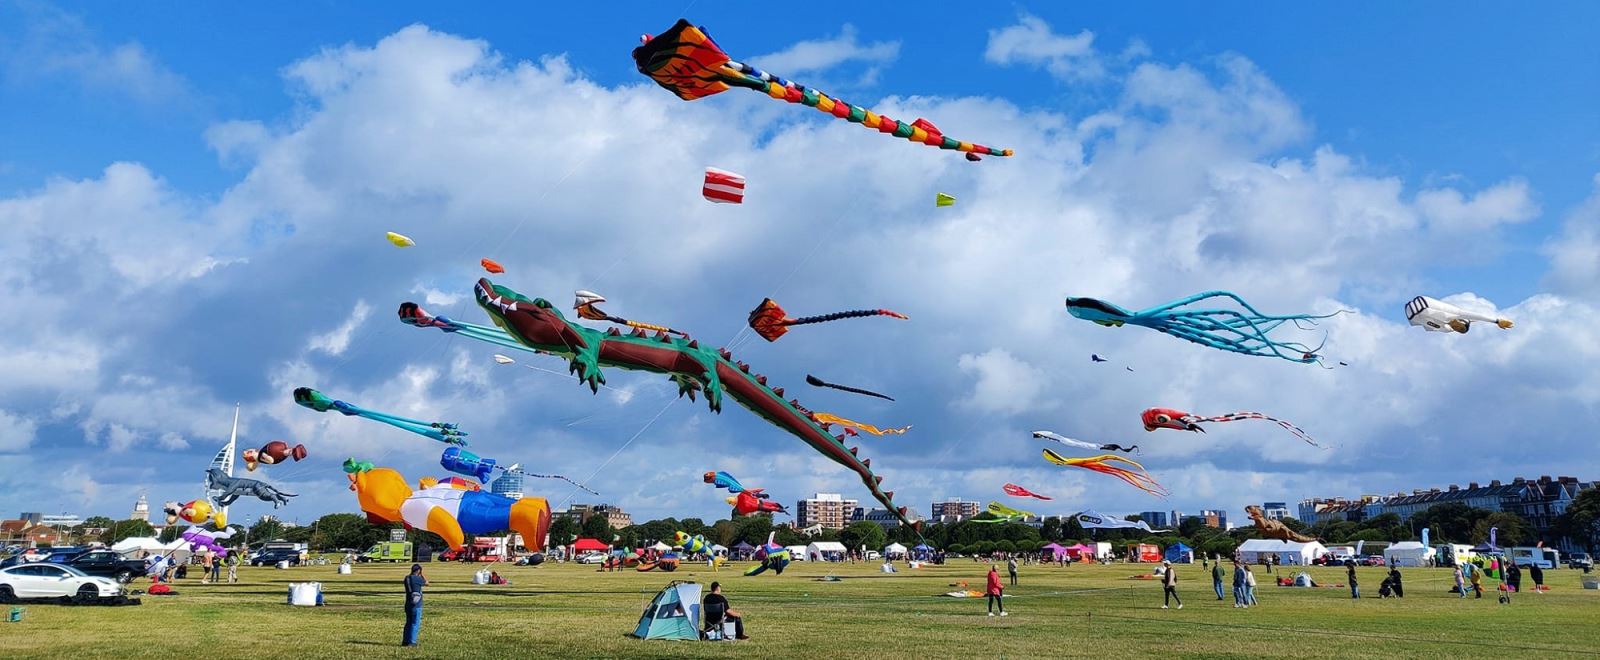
1103,464
536,326
1167,418
686,62
1225,329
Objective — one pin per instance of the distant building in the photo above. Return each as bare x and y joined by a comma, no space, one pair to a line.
61,520
1156,519
508,484
884,517
1275,510
31,518
141,510
830,510
1541,501
614,516
953,510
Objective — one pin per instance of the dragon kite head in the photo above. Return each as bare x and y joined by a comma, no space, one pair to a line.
1098,311
1167,418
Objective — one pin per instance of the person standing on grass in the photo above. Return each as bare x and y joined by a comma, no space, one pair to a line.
1538,578
995,591
1477,580
1011,567
1249,586
1355,589
1514,577
1216,577
1169,586
414,584
1461,587
205,566
1238,584
233,568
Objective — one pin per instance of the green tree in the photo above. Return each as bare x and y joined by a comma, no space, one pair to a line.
863,533
1451,522
346,530
1051,529
596,527
96,522
170,533
724,533
789,536
753,529
1512,529
1581,522
956,549
124,529
563,530
266,529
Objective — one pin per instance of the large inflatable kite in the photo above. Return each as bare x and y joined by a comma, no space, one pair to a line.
441,431
696,544
1104,464
452,513
1225,329
1003,514
586,304
722,479
1274,529
851,426
1439,316
689,64
1018,491
1051,435
1178,420
195,512
537,326
461,461
754,501
818,382
771,322
206,539
772,556
233,488
272,453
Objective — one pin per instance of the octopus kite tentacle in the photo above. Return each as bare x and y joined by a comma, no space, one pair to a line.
1136,477
442,431
1056,437
1018,491
818,382
1244,332
1167,418
536,326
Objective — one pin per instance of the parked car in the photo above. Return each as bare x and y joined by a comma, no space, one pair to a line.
108,563
272,557
593,558
47,580
1372,560
1579,560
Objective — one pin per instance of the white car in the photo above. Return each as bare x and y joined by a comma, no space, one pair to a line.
43,580
593,558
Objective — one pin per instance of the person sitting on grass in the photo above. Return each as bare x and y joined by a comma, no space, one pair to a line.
715,603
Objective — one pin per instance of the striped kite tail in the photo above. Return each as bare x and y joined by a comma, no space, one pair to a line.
852,314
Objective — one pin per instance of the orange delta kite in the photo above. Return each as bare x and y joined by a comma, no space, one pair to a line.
491,266
1136,477
686,62
851,426
771,322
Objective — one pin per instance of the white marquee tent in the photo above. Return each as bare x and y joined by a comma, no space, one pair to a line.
1408,553
825,551
894,550
1288,553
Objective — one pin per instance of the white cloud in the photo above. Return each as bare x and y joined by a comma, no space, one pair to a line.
335,341
1575,252
818,55
16,432
1032,41
1001,382
1507,202
53,42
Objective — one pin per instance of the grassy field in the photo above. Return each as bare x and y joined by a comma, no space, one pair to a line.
573,611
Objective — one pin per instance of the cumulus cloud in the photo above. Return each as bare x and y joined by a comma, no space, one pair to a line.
1193,175
1032,41
50,42
16,432
817,55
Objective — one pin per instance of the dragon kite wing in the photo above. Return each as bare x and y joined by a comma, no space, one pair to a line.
1104,464
686,62
771,322
586,305
537,326
825,419
1167,418
1018,491
1051,435
442,431
1246,332
818,382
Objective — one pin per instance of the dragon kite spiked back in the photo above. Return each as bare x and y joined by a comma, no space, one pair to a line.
1237,331
536,326
686,62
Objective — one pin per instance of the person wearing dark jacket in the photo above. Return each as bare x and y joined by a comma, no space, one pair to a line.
1514,577
1394,582
1216,578
1355,591
414,584
1538,577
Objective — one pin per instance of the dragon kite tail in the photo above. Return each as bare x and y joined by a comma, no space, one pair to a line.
852,314
1291,428
539,327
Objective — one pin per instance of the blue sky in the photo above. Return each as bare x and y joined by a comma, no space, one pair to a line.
1333,156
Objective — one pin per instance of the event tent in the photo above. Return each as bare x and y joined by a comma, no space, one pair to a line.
660,547
1077,551
894,550
1408,553
797,552
1288,553
825,551
589,545
742,549
1178,553
719,549
1056,550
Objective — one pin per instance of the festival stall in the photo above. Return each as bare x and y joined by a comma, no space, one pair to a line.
1287,553
1408,553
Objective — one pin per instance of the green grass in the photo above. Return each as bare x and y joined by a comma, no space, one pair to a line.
573,611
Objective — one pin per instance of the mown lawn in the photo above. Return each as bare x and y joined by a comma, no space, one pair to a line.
572,611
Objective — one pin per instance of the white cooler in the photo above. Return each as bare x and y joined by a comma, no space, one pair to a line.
344,569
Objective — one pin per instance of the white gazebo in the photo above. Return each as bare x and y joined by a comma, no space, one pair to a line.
894,550
1288,553
1408,553
825,551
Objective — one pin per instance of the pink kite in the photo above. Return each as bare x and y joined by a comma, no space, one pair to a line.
1018,491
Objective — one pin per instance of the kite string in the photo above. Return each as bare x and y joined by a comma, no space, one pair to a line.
619,450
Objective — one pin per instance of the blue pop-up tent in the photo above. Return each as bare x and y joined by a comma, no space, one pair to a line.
672,614
1178,553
